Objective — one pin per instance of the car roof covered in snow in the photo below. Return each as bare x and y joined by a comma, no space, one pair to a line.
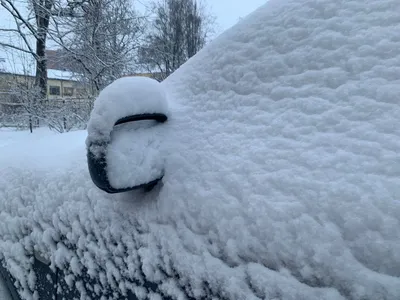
281,170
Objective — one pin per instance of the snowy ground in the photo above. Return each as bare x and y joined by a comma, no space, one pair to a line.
9,136
282,170
41,149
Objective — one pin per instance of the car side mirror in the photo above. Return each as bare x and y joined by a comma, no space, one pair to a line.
124,144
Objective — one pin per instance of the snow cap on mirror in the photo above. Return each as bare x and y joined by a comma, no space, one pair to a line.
124,97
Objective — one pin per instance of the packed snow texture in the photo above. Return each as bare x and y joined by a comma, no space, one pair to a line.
282,173
124,97
135,154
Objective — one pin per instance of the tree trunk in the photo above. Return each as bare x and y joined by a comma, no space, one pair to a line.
42,14
41,68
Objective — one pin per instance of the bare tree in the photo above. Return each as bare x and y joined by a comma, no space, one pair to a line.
21,105
19,108
32,22
179,30
96,38
100,40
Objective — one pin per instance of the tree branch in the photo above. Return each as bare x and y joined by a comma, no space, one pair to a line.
17,48
17,15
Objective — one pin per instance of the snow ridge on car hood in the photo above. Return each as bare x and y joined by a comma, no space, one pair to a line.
281,179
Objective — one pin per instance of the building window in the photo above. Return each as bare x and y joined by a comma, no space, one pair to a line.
55,90
80,92
68,91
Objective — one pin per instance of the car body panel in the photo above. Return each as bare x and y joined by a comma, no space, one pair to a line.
281,172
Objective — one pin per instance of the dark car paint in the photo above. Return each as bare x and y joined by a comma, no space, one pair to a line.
52,285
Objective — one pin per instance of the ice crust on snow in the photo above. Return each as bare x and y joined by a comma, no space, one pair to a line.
281,171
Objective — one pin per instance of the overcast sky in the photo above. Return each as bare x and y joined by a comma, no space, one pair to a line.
227,12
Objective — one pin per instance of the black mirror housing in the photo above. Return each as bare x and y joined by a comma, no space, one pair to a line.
115,151
98,163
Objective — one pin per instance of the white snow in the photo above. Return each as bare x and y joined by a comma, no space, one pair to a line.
41,150
62,75
125,97
135,155
134,151
281,169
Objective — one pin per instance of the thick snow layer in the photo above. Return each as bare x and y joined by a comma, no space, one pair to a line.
135,155
124,97
41,150
133,151
282,173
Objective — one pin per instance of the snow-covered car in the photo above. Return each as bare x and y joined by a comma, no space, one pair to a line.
271,172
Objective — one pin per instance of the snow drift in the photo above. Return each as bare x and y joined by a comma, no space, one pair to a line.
282,173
